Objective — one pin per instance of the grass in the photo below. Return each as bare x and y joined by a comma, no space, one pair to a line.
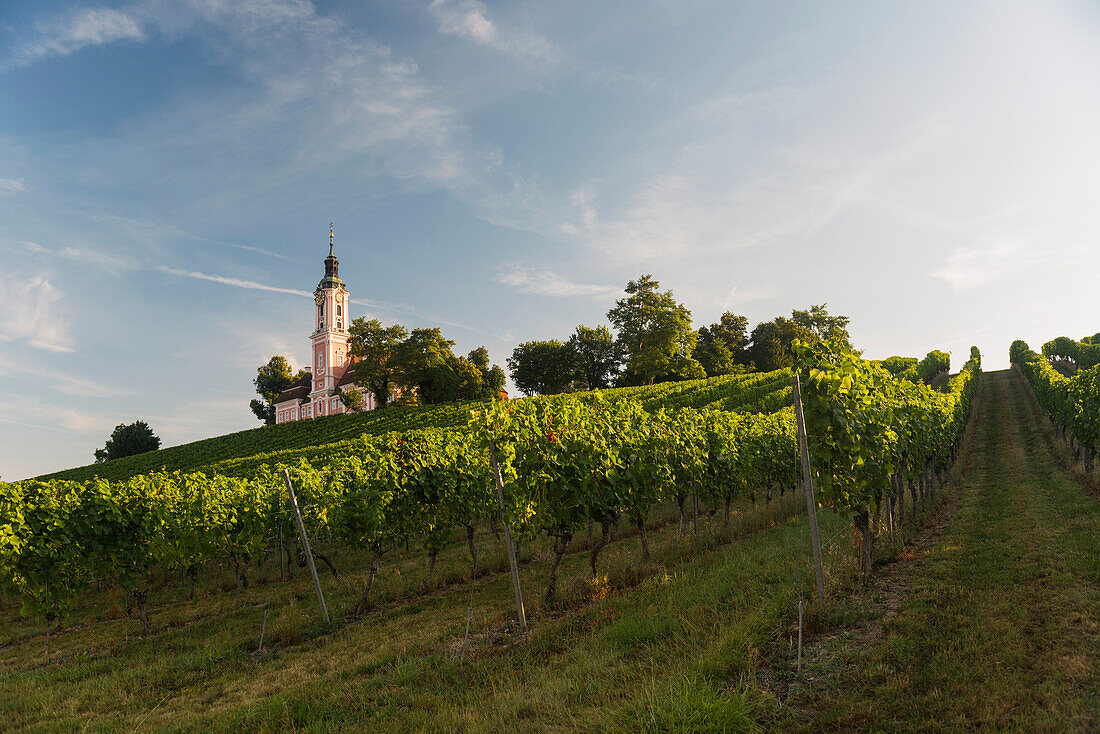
1001,628
998,626
635,643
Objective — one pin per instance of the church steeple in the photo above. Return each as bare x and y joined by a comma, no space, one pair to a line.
332,267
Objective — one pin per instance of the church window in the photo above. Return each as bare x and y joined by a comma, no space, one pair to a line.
340,358
334,402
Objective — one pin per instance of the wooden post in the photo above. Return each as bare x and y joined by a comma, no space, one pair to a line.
305,545
800,635
808,483
282,553
508,537
263,629
694,514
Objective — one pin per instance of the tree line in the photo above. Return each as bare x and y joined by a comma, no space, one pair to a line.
394,365
655,341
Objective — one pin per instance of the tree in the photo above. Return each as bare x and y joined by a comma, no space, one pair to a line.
492,377
378,367
654,334
771,343
595,356
128,440
833,329
721,346
713,355
543,367
271,379
896,365
352,398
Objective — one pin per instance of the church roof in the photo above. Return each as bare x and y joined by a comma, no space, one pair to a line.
332,268
299,391
347,378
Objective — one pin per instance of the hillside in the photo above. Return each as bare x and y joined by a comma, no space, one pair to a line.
762,392
994,627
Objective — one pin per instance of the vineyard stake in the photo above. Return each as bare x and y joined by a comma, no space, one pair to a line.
305,545
469,616
808,483
800,635
282,553
508,537
263,629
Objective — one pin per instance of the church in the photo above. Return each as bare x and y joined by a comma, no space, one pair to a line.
318,392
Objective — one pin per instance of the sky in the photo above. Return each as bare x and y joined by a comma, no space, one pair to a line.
169,170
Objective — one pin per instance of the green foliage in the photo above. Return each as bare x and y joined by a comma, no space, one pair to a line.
1072,402
869,426
271,379
721,346
128,440
1084,354
772,342
595,355
420,366
373,347
821,324
655,335
933,364
543,367
352,398
566,460
897,365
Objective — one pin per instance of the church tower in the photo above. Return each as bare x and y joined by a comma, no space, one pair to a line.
330,337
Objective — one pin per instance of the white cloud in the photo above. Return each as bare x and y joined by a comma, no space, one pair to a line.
67,384
548,283
75,30
975,266
29,312
13,186
693,205
235,282
469,19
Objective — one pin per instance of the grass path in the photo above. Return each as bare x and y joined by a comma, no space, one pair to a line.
1002,626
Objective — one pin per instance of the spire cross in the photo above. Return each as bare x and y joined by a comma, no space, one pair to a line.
330,238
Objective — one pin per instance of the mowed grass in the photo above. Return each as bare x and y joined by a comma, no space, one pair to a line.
1002,627
665,647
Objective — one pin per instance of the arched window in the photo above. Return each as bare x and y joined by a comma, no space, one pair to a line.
340,358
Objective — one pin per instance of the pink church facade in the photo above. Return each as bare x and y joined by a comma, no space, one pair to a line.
318,393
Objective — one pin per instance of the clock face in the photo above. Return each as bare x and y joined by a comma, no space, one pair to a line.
319,297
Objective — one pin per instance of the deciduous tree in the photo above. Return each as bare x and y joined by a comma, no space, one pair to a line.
128,440
543,367
271,379
771,343
655,334
721,346
596,356
378,368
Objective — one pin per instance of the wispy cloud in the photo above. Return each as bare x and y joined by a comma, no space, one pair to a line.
13,186
694,206
548,283
235,282
971,267
29,312
469,19
64,383
72,31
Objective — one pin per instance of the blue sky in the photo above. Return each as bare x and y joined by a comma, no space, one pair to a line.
168,171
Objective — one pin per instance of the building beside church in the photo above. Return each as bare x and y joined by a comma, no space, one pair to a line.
318,392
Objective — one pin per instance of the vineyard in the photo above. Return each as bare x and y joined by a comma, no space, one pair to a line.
756,392
409,497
